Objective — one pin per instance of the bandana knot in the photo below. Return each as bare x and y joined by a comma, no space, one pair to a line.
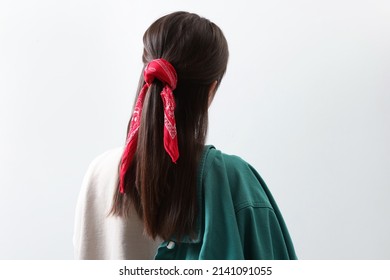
163,71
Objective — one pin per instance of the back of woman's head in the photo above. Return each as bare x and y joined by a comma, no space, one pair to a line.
195,46
164,193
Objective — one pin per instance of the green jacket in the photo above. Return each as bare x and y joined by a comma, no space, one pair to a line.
238,217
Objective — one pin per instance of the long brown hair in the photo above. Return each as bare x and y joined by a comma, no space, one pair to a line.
163,193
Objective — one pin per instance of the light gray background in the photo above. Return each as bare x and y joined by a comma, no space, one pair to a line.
305,100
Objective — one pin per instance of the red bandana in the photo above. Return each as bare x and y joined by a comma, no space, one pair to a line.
163,71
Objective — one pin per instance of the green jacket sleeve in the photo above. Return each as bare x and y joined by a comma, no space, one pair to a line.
241,218
261,235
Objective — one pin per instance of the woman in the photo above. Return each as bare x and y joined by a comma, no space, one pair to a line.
166,195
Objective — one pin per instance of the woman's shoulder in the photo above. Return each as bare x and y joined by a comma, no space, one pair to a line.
102,171
230,173
231,162
106,160
108,156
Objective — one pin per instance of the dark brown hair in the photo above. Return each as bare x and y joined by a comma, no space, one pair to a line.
163,193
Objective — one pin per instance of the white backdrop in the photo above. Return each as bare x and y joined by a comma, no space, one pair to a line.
306,100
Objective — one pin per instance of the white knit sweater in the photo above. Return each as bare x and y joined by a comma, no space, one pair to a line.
97,235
